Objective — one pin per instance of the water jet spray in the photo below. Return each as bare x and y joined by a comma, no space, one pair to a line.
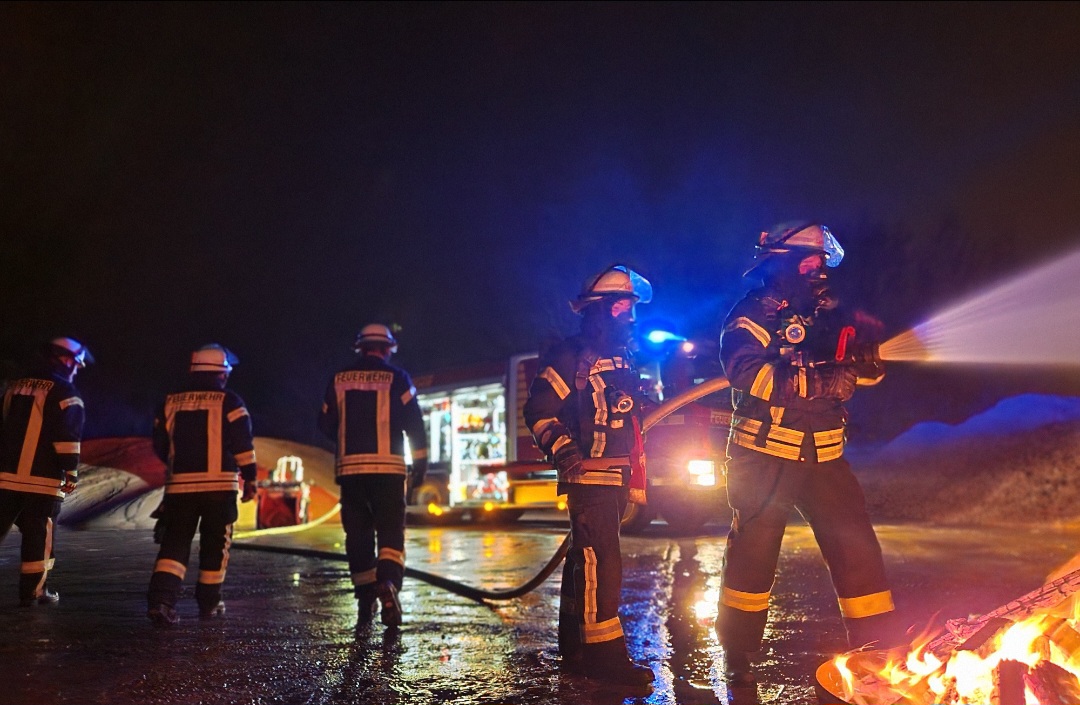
1030,319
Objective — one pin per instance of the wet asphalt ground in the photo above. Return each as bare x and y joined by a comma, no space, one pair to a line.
289,633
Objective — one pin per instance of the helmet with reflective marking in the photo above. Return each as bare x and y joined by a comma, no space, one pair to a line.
616,282
375,335
72,348
797,237
213,358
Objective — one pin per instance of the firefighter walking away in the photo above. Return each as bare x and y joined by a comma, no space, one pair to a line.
203,434
786,443
40,434
584,412
368,409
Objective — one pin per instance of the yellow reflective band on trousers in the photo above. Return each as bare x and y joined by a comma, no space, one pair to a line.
589,596
867,605
365,578
390,554
599,632
745,601
167,565
30,567
212,577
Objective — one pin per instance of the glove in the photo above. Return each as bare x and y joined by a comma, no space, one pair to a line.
836,382
250,490
568,461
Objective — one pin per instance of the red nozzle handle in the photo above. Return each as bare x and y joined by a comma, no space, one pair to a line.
847,333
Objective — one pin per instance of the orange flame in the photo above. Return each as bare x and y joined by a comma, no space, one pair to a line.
961,677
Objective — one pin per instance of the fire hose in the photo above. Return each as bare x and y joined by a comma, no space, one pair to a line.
473,593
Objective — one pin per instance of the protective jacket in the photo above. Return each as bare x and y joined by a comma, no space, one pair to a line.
591,400
785,451
204,436
40,433
775,410
366,408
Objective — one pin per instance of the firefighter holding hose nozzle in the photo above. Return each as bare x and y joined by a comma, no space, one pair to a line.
793,357
583,414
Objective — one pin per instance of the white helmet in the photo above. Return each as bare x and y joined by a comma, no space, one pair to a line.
375,334
73,348
617,281
797,236
213,358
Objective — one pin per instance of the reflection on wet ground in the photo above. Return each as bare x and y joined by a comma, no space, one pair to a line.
289,635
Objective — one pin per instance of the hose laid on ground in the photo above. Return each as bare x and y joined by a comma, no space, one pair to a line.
447,584
278,530
655,416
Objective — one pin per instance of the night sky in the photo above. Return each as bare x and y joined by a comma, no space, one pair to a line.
273,177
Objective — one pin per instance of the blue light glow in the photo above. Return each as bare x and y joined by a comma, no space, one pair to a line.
657,337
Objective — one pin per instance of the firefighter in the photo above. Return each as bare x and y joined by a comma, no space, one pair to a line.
786,443
584,412
40,432
203,434
369,408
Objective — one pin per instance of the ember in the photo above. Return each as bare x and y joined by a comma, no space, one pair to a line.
1026,652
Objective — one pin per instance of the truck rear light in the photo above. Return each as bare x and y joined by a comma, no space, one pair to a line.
702,472
434,509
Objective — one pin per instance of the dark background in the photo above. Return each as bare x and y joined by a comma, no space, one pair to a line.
273,177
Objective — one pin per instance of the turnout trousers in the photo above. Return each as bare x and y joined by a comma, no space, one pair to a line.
35,516
213,515
589,625
762,490
373,516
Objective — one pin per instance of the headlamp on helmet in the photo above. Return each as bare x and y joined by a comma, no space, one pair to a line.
617,282
213,358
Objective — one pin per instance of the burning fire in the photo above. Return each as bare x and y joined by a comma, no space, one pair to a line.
1025,653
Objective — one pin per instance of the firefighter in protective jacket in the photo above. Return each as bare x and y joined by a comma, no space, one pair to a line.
40,432
584,413
368,410
203,434
785,449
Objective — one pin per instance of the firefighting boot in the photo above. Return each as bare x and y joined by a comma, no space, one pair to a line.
367,604
212,611
737,668
47,597
162,616
570,659
608,662
391,607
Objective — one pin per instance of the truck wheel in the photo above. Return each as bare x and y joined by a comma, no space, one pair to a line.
636,518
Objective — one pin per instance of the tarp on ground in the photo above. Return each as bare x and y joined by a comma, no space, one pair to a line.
121,480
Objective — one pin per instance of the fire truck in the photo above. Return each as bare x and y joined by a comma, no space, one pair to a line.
484,465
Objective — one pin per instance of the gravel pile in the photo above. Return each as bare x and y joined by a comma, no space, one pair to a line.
979,478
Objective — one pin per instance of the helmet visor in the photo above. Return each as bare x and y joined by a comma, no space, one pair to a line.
641,286
834,254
